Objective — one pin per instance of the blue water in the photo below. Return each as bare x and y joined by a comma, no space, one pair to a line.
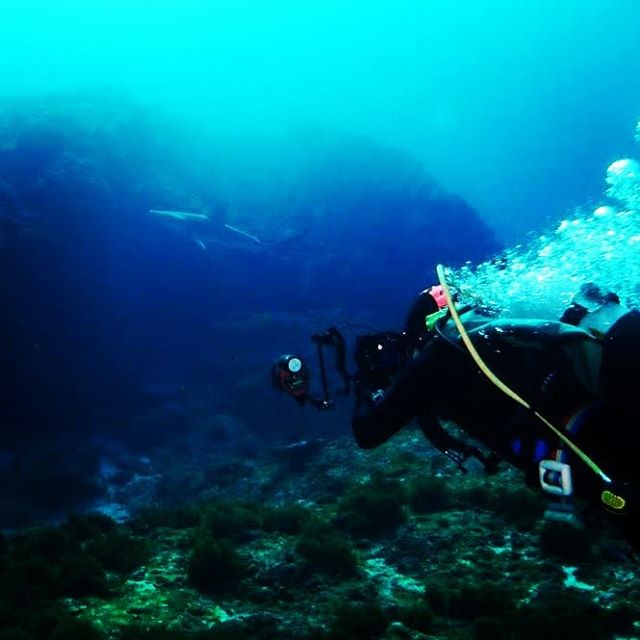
331,157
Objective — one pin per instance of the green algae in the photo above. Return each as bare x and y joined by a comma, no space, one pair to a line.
429,575
155,595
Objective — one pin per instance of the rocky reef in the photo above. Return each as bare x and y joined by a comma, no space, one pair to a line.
327,542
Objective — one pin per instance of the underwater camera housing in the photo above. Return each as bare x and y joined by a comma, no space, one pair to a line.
378,357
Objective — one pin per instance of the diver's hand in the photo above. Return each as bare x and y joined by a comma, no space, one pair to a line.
365,390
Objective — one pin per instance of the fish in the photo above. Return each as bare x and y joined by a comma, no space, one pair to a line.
183,216
218,232
243,233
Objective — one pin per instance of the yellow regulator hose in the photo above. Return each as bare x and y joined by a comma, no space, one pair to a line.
503,387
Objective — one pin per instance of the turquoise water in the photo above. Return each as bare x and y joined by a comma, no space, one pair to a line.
601,244
187,190
517,108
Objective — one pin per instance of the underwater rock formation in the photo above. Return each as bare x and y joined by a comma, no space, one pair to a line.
106,301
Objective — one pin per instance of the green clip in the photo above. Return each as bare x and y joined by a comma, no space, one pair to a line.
432,318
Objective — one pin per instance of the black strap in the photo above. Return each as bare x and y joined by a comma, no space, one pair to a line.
323,372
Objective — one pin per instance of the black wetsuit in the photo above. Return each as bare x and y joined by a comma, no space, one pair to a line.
557,368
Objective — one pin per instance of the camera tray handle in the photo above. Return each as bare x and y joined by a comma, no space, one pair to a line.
332,338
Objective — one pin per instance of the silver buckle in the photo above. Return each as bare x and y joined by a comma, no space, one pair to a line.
555,477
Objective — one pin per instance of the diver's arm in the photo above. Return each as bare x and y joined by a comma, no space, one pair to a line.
375,422
372,425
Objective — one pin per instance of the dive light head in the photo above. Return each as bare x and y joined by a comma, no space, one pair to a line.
290,374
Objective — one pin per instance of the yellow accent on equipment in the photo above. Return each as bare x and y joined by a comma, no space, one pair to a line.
613,501
504,388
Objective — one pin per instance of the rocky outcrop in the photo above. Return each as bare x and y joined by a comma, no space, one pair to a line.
104,298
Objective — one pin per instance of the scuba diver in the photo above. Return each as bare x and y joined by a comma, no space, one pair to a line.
553,398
